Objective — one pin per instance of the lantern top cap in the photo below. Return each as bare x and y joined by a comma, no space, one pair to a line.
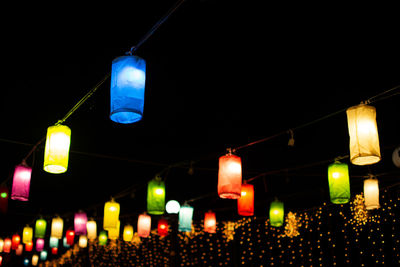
370,176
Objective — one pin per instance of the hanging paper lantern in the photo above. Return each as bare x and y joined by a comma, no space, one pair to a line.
29,246
65,243
54,251
103,238
91,228
111,215
172,207
128,77
162,227
26,262
339,183
19,250
185,218
156,196
229,176
396,157
53,243
144,225
371,193
246,201
80,221
40,228
21,183
1,245
70,236
113,233
363,131
27,234
57,225
7,245
35,260
276,213
82,241
39,244
210,222
43,255
3,199
16,239
56,152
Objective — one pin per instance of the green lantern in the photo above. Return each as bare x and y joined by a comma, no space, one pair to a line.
40,228
276,213
156,196
103,238
339,183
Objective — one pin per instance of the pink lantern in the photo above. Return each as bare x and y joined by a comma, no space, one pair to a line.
80,223
144,225
21,183
39,244
229,176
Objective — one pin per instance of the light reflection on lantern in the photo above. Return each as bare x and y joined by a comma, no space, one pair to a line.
19,250
156,196
91,228
57,225
229,176
39,244
210,222
82,241
56,152
276,213
43,255
21,183
70,236
40,228
3,199
162,227
185,218
128,233
35,260
7,245
113,233
53,243
172,207
111,215
29,246
144,225
16,239
246,201
80,221
27,234
103,238
339,183
371,193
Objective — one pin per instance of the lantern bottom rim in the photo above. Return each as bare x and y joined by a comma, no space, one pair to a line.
340,200
230,195
20,198
365,160
125,116
53,168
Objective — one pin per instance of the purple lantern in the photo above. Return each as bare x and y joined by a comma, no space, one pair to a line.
80,223
39,244
21,183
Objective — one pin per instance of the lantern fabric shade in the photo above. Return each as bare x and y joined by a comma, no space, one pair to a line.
210,222
39,244
56,152
246,201
91,229
16,240
128,233
57,225
103,238
156,197
113,233
82,241
40,228
128,77
339,183
363,131
371,193
162,227
21,183
80,221
185,218
276,213
144,225
229,176
27,234
111,215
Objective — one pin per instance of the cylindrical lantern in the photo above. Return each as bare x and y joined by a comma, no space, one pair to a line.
339,183
371,193
40,228
80,221
43,255
27,234
19,250
363,131
39,244
103,238
54,251
70,236
246,201
128,233
156,196
3,199
56,151
185,218
210,222
53,243
57,225
29,246
276,213
1,245
35,260
26,262
7,245
144,225
162,227
82,241
172,207
111,215
91,228
128,77
229,176
65,243
113,233
21,183
16,239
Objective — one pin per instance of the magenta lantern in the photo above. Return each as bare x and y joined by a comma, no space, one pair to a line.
21,183
80,223
39,244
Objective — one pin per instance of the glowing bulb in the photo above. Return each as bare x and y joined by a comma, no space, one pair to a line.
159,191
335,175
243,193
3,194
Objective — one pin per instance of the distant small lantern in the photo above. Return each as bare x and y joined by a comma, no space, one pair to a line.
339,183
26,262
39,244
29,246
80,221
3,199
21,183
54,251
113,233
128,233
210,222
128,77
172,207
7,245
53,242
144,225
91,228
185,218
82,241
229,176
371,193
70,236
363,131
35,260
246,201
111,215
40,228
19,250
65,244
162,227
56,151
16,240
1,245
43,255
57,226
103,238
27,234
276,213
396,157
156,196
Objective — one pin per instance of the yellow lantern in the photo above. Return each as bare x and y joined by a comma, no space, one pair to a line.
371,193
56,152
57,225
111,215
82,241
1,244
91,227
363,131
128,233
113,233
27,234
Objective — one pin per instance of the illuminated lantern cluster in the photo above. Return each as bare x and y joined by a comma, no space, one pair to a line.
371,193
40,228
56,151
246,201
210,222
128,233
162,227
156,196
230,176
185,218
21,183
339,183
111,215
57,226
276,213
80,221
144,225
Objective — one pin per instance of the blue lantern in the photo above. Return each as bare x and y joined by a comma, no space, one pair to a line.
185,218
26,262
128,77
43,255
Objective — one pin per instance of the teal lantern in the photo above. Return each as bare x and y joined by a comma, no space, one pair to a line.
53,243
185,218
40,228
43,255
156,196
276,213
339,182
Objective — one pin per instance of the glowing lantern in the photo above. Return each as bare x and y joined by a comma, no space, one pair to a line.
246,201
39,244
1,260
3,199
371,193
172,207
56,152
26,262
80,221
70,236
229,176
156,197
103,238
128,77
162,227
27,234
91,228
1,245
185,218
210,222
339,183
40,228
276,213
7,245
128,233
19,250
16,239
111,215
83,241
53,243
57,225
43,255
29,246
113,233
363,131
54,251
21,183
35,260
144,225
65,244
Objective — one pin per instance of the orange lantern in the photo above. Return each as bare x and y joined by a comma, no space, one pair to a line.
162,227
29,246
246,201
229,176
16,239
210,222
19,250
7,245
144,225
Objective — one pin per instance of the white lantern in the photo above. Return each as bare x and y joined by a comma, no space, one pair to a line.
82,241
371,193
91,227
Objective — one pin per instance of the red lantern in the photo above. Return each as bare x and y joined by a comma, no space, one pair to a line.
7,245
144,225
246,201
54,251
162,227
229,176
16,239
3,199
29,246
210,222
70,235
